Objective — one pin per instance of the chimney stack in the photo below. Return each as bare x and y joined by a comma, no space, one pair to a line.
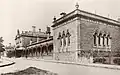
63,13
48,32
39,30
34,28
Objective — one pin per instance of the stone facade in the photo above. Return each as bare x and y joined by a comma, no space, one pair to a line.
65,50
89,32
30,42
28,37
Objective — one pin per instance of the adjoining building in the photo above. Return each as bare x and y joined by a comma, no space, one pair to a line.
29,37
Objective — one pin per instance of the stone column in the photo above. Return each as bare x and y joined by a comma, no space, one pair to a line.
101,41
66,44
62,45
109,43
106,43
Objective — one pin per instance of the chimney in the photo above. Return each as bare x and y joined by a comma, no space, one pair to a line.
119,19
54,19
34,28
39,30
63,13
48,32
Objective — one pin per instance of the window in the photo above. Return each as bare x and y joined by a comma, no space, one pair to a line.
99,39
60,39
104,39
64,40
68,37
108,40
95,37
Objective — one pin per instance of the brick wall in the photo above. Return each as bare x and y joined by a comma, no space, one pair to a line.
87,29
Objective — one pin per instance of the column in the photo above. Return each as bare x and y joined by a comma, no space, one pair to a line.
62,46
66,43
101,40
106,43
109,42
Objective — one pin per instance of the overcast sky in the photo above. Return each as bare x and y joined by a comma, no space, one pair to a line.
23,14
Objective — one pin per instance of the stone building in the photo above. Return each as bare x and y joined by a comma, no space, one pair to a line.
28,38
42,48
79,36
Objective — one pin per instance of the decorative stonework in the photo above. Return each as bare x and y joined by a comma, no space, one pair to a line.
102,39
64,40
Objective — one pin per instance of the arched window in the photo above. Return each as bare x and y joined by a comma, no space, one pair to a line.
60,39
64,40
68,37
95,37
99,39
108,38
104,39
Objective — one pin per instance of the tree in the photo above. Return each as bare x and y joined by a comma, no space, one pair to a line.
1,44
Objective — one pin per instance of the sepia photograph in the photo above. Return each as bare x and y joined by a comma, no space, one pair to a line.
59,37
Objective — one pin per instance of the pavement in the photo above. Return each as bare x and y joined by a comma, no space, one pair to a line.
59,68
5,62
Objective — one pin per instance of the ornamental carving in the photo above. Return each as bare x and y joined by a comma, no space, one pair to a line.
64,38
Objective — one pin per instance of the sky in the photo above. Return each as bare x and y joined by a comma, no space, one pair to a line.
23,14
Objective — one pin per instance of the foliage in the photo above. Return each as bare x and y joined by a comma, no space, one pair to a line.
99,60
1,45
116,61
10,54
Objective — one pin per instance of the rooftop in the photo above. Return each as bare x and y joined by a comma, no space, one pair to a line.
80,13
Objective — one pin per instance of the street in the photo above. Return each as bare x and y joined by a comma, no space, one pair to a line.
60,69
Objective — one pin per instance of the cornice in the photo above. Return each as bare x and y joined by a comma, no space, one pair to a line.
84,14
